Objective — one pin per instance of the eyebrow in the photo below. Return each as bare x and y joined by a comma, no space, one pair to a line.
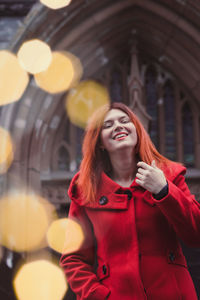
122,117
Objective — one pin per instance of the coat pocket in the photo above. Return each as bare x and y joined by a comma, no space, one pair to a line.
175,258
102,270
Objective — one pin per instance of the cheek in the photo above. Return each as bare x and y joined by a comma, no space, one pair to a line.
105,140
134,135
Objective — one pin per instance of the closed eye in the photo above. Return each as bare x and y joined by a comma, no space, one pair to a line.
110,123
124,120
107,124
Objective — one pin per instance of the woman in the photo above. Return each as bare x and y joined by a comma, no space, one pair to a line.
133,205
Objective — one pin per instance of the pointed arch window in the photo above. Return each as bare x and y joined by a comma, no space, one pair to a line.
151,102
116,85
188,135
174,126
80,135
63,158
170,126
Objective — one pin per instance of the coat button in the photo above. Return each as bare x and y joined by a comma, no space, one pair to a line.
172,256
104,269
128,193
103,200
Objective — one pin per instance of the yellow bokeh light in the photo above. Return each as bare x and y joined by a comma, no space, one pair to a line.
77,67
65,236
6,150
24,220
13,79
40,280
1,253
55,4
84,100
34,56
64,71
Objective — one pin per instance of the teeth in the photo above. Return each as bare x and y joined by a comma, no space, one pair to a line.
120,135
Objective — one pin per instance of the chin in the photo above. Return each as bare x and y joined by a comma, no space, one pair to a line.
125,146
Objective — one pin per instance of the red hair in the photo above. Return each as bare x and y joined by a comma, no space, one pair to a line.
95,160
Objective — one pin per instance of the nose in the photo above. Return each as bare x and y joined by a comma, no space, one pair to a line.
117,126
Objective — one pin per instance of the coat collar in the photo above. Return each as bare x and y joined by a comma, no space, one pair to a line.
115,196
108,186
110,194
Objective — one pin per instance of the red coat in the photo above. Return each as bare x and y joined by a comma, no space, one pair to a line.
137,248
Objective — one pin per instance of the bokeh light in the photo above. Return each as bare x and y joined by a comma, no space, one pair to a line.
65,236
55,4
24,220
1,253
34,56
13,78
6,150
83,100
64,71
40,280
77,67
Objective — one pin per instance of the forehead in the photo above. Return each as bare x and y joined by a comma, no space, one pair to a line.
115,114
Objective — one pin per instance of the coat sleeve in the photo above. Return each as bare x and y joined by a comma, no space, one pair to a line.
182,210
78,266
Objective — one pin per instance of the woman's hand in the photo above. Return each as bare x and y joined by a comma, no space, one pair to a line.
150,178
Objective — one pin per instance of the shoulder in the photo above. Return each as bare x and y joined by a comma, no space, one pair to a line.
173,169
74,191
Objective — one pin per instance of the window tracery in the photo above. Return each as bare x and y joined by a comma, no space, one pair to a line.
172,126
188,137
151,102
169,114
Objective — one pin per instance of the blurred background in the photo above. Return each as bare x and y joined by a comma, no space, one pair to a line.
59,61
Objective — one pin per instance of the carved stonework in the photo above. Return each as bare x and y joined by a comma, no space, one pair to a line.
135,90
15,8
56,193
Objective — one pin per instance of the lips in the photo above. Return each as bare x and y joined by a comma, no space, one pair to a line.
120,135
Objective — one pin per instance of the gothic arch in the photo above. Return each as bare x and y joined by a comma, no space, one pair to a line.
100,34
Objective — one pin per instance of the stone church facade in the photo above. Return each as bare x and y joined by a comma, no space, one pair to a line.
147,53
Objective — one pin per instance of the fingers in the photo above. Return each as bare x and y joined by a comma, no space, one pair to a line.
145,174
150,177
144,165
139,176
142,171
140,182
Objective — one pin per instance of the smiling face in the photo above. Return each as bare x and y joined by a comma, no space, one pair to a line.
118,131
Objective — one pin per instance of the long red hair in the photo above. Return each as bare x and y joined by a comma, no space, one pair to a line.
95,160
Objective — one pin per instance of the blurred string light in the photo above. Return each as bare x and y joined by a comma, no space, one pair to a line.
65,236
6,150
40,280
34,56
55,4
13,79
63,73
83,100
24,220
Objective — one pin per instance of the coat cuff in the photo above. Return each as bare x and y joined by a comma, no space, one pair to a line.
162,193
101,292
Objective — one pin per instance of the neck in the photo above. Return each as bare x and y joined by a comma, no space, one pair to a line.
124,165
